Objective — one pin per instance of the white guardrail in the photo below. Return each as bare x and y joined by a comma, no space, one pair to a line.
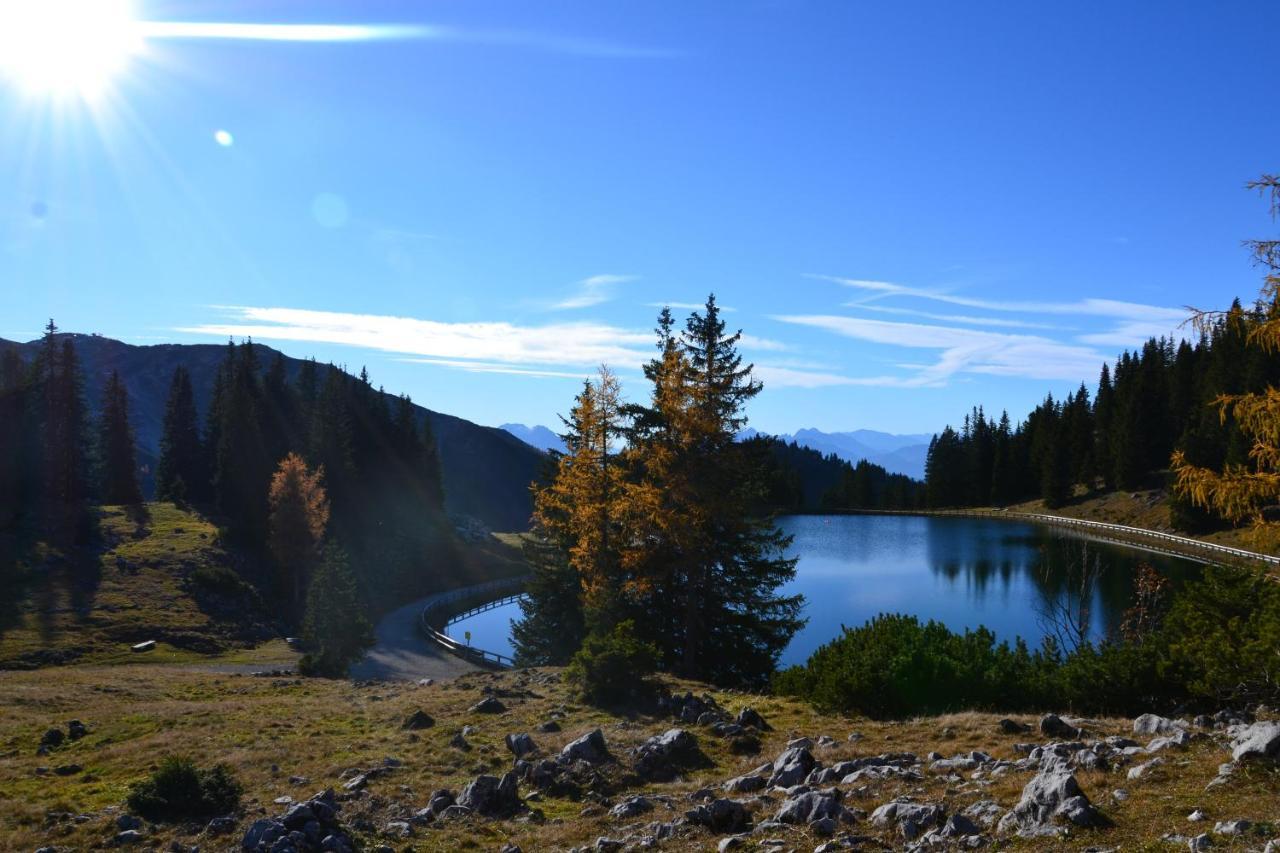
1183,542
441,609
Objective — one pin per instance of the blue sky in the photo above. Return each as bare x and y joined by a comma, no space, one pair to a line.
910,207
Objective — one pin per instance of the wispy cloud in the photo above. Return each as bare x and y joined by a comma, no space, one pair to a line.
963,350
595,290
554,344
996,322
553,350
331,33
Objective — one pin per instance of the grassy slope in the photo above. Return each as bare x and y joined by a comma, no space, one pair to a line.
134,584
269,730
1145,508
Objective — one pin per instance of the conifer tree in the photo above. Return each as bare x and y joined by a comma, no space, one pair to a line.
336,627
299,515
117,461
180,471
63,456
13,441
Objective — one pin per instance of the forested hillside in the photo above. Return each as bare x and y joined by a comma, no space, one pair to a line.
1154,401
485,471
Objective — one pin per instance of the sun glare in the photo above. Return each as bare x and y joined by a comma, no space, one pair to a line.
59,48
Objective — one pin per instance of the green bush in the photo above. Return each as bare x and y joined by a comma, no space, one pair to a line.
179,790
218,579
1215,648
335,627
613,667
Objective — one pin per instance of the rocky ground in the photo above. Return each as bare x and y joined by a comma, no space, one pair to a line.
509,761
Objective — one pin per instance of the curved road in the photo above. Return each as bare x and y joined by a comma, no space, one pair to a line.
402,653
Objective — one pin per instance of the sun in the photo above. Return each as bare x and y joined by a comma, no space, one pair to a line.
66,48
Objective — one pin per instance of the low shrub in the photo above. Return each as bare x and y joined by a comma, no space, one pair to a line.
613,667
179,790
1214,648
218,579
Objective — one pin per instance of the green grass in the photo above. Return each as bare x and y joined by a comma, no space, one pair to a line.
135,582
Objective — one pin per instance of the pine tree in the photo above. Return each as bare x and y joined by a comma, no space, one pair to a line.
731,622
13,440
117,460
63,455
335,628
180,472
242,466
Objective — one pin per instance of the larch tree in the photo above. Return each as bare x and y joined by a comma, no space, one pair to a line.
1249,491
117,460
299,515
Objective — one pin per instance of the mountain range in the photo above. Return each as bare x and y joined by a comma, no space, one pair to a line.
897,454
485,471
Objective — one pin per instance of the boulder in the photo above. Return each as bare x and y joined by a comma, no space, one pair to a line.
631,807
809,807
1054,726
751,717
720,815
549,727
419,719
52,739
1051,794
488,705
520,745
262,834
76,730
746,784
1154,724
220,826
1258,742
1012,727
491,796
590,748
792,767
661,756
910,818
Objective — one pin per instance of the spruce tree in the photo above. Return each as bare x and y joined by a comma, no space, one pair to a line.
336,628
117,461
63,439
180,471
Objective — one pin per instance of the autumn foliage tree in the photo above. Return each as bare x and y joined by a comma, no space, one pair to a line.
1247,491
299,515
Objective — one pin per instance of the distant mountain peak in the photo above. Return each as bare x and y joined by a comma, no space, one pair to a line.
897,454
536,436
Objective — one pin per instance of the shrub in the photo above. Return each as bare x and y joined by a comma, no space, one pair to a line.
179,790
218,579
613,667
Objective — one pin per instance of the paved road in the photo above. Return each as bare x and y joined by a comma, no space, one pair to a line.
401,653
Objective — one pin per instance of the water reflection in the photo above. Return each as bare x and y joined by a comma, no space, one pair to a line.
963,572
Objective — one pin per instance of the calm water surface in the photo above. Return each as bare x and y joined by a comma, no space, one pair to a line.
964,572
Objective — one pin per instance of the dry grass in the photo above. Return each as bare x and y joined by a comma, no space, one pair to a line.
271,729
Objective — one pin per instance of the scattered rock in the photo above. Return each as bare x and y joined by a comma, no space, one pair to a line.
1153,724
1052,793
491,796
488,705
809,807
1141,771
631,807
910,818
590,748
1232,827
720,815
1260,741
792,767
419,719
750,718
661,756
459,742
52,739
130,837
128,821
520,745
1013,727
76,730
220,826
549,726
1054,726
